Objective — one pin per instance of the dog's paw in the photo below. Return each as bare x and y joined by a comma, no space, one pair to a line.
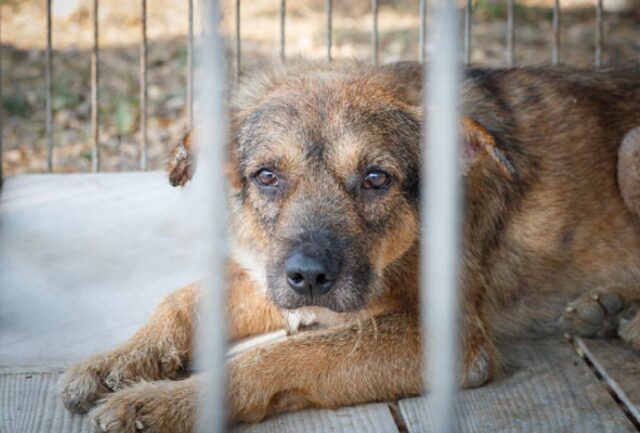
594,314
629,330
83,384
149,407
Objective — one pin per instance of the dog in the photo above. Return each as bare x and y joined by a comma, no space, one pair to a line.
323,166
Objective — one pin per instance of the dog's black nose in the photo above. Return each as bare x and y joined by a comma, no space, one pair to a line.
308,275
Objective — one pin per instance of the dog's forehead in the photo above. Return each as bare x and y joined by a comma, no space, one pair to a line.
323,115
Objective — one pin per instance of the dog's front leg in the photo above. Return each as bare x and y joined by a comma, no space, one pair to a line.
157,351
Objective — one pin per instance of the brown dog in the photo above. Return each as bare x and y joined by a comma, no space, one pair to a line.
324,185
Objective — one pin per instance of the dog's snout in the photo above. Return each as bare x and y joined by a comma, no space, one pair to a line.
309,275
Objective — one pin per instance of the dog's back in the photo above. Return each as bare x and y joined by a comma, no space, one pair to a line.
566,229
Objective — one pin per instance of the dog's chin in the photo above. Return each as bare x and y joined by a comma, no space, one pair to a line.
340,300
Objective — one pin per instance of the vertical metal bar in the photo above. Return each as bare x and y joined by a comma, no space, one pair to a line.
422,33
238,41
209,195
328,11
511,37
374,32
143,86
440,215
555,50
95,156
283,14
49,90
599,35
467,31
190,68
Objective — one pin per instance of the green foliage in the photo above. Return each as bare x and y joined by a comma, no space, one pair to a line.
64,95
125,115
16,105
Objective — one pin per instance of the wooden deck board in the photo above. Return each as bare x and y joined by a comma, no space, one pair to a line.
620,368
547,388
29,404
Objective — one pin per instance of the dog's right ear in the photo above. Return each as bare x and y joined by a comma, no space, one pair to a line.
182,162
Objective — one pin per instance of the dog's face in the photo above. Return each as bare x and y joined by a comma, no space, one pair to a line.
325,175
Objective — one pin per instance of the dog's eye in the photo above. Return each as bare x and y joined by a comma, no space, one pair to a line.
376,179
266,177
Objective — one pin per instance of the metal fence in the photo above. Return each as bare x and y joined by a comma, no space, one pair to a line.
422,12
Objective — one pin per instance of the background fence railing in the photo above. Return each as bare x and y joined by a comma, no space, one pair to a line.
143,82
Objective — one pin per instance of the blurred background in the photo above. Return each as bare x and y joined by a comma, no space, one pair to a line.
23,37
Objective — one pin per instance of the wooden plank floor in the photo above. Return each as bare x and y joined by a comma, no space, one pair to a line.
84,258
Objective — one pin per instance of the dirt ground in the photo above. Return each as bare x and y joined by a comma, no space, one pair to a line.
23,40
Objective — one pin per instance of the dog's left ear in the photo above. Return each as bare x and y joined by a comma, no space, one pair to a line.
182,161
480,144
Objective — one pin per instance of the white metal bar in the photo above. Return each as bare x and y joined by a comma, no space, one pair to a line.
1,108
209,197
440,215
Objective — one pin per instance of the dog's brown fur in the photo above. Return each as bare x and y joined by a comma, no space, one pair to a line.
545,224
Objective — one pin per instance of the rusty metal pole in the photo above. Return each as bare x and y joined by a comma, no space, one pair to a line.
238,40
422,32
511,37
555,50
49,90
143,85
328,10
283,14
95,156
468,11
374,32
599,35
190,69
1,108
